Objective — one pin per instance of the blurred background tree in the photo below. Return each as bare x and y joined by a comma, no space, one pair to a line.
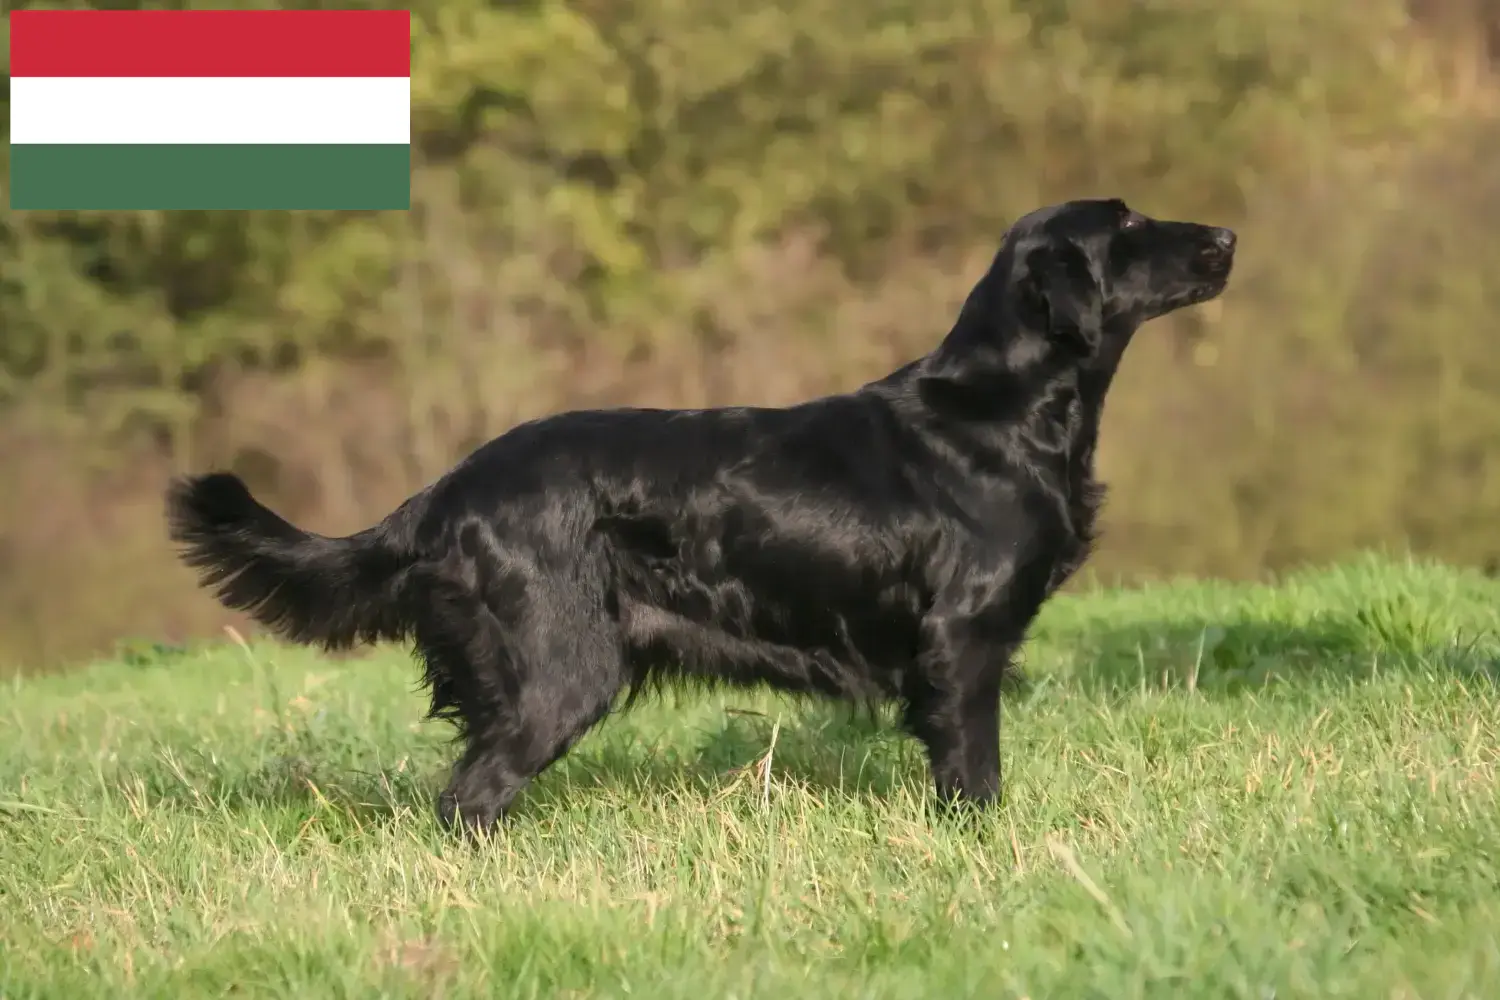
691,203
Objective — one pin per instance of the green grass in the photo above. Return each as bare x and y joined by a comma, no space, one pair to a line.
1212,791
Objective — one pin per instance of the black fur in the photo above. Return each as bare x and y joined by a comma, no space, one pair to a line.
892,543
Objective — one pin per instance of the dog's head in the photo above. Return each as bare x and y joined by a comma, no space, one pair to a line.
1073,276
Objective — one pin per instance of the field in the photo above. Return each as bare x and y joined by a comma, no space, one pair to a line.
1212,791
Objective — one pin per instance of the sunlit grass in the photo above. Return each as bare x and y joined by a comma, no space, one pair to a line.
1212,791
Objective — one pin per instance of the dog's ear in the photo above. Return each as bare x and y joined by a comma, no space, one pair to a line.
1059,294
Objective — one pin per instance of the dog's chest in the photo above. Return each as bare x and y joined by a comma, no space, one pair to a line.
1084,496
1085,493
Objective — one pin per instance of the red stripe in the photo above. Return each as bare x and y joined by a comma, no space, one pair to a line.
210,43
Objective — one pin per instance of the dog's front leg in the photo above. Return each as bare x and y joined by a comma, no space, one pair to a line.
954,709
953,698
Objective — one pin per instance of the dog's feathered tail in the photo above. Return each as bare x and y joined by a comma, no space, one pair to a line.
332,592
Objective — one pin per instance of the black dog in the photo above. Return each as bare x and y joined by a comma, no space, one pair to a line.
893,543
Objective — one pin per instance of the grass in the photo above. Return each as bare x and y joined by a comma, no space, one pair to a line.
1212,791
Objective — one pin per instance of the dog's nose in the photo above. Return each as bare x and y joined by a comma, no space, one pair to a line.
1223,238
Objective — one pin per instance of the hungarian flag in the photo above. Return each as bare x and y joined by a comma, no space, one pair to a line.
214,109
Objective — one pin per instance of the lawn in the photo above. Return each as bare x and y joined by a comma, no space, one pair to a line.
1211,791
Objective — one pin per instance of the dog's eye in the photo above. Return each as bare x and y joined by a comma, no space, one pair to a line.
1132,220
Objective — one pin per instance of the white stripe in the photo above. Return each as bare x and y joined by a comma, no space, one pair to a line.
210,110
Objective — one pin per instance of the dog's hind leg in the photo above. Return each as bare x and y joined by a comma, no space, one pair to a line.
532,678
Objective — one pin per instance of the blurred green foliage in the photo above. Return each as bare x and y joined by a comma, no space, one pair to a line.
586,163
626,135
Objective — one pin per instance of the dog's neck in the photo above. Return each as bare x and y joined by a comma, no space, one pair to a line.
990,368
983,376
1098,373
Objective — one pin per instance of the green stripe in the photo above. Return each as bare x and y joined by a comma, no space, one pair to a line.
113,177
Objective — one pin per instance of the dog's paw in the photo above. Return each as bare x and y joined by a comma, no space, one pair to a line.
472,819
